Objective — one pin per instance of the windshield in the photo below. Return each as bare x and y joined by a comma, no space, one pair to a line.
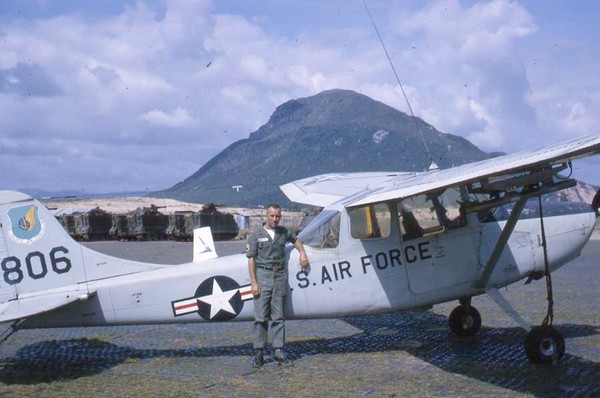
324,231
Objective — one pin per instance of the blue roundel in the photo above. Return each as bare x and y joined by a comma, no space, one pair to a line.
219,299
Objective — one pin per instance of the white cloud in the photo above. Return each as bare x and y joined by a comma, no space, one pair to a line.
112,89
461,56
178,118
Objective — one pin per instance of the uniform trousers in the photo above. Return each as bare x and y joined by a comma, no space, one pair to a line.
269,306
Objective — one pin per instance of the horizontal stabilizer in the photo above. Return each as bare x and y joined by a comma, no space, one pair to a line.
38,304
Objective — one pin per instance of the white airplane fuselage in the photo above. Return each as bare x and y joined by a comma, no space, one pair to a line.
357,277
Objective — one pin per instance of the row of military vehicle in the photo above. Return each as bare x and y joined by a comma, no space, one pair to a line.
148,223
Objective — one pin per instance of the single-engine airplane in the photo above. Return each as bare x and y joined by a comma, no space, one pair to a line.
384,242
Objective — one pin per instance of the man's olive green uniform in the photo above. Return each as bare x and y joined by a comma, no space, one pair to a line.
272,278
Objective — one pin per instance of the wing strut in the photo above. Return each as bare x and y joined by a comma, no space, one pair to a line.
520,199
502,240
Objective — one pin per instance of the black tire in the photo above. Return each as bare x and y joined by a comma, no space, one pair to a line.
464,324
544,344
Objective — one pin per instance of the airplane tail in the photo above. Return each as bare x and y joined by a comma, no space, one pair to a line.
36,252
41,266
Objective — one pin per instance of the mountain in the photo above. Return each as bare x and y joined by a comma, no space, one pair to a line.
581,193
334,131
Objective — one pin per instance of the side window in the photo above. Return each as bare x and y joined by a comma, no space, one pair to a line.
452,211
370,222
430,214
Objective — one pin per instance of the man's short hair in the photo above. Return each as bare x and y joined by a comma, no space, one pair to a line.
274,206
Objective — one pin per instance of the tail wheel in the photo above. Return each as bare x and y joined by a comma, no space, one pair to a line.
544,344
464,323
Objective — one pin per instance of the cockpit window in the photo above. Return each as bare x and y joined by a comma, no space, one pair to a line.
370,222
323,232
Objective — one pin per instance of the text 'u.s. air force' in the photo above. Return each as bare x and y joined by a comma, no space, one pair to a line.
345,269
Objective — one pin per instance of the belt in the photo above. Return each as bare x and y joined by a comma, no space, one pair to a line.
268,268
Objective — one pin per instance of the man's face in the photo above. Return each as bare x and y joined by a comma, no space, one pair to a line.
273,217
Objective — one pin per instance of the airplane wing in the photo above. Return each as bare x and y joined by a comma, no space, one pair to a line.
325,189
34,305
389,186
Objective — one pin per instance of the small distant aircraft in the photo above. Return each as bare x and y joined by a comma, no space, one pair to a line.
384,242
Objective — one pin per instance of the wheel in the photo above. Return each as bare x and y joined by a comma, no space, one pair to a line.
544,344
464,324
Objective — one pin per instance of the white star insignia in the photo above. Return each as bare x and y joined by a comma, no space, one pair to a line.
219,300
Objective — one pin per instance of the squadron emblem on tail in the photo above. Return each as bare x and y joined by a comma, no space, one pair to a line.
26,224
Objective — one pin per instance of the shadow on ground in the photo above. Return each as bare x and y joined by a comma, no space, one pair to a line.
496,356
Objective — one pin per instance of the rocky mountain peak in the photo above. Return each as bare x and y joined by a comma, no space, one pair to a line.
333,131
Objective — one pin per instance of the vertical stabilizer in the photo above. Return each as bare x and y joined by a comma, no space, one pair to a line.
36,253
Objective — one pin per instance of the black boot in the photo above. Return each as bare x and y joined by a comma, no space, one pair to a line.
281,358
258,359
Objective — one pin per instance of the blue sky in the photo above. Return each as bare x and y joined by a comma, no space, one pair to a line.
100,96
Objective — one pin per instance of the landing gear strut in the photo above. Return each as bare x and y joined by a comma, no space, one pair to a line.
465,320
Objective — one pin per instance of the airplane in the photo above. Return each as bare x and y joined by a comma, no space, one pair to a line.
383,242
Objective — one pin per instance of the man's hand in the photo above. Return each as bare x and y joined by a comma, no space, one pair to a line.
303,260
303,257
255,288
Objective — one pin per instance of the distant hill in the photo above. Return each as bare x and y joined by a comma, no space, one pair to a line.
581,193
334,131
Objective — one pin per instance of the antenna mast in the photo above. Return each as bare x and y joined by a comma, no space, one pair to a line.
433,165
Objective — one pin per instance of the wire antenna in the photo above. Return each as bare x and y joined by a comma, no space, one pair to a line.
432,166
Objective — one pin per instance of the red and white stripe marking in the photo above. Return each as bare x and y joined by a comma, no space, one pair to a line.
246,292
185,306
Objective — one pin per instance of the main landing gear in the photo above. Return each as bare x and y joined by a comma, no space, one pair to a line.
465,320
543,344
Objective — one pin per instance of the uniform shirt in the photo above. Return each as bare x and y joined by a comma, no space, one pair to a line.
269,252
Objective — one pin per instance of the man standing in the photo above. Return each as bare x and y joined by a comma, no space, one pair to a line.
268,278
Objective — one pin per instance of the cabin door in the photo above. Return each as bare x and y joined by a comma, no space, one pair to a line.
438,247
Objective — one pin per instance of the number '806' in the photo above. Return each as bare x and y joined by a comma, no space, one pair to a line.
36,265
